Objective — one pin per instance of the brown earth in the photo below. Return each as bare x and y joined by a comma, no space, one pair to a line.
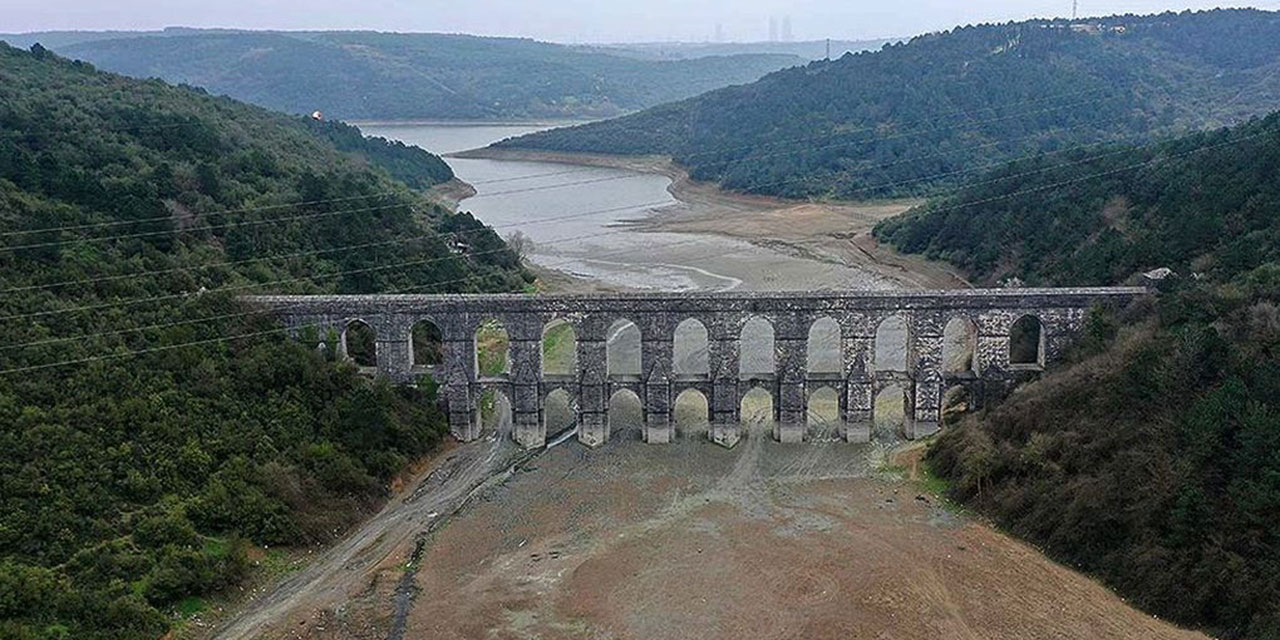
766,541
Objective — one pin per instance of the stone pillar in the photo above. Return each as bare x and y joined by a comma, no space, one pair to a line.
525,331
395,347
791,338
924,358
993,342
724,355
657,338
1060,328
858,345
593,397
459,376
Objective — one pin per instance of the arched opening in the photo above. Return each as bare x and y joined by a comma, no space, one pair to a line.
626,415
495,413
622,349
757,410
493,350
889,415
1026,342
757,356
955,404
824,413
360,344
891,344
559,349
959,346
558,413
690,357
824,347
427,345
693,413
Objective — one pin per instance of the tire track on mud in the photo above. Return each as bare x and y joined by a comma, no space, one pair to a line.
444,491
407,588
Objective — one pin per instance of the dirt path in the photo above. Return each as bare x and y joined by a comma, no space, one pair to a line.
836,232
350,571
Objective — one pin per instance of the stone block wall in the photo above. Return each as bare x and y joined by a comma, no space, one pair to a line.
992,313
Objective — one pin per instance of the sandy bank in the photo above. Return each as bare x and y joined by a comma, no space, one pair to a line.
451,193
834,232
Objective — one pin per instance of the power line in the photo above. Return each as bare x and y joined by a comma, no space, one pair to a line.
560,185
98,225
215,227
299,254
114,223
958,206
258,312
178,323
129,303
651,204
579,215
479,196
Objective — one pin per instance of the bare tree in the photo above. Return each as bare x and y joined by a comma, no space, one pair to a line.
520,244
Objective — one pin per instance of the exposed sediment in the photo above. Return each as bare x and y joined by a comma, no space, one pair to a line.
823,231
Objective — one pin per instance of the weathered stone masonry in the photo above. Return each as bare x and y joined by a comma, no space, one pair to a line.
1060,313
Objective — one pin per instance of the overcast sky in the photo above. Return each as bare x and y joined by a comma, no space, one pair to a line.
569,20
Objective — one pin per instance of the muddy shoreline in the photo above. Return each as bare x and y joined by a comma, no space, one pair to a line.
831,232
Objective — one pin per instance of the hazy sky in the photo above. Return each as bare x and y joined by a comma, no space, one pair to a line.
569,20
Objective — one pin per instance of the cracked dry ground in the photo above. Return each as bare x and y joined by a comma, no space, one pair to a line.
693,541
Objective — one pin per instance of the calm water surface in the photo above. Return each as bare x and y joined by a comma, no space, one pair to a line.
571,212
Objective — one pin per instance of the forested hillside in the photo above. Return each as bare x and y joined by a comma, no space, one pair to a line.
912,118
1207,203
1153,459
143,454
367,75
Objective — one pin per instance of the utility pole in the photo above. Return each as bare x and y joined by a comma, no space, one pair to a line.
828,49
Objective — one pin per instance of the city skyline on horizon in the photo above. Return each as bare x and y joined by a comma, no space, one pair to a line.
569,21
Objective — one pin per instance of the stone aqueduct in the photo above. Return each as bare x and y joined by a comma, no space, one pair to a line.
1060,314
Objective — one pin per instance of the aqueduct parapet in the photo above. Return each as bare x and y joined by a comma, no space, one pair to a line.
924,379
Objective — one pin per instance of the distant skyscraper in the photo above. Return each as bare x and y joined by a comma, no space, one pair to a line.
786,29
773,29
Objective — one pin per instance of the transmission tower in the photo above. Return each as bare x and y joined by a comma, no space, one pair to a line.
1075,10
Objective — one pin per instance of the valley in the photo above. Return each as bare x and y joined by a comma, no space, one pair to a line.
633,541
972,334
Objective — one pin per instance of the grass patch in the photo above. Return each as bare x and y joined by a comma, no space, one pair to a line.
191,606
559,349
492,348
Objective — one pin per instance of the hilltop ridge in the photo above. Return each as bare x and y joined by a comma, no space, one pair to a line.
856,128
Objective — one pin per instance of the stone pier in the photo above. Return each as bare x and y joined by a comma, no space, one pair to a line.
1054,316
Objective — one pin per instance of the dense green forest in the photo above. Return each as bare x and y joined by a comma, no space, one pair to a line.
1205,203
1151,460
139,475
367,75
930,113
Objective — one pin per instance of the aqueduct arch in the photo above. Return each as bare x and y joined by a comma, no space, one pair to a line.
517,324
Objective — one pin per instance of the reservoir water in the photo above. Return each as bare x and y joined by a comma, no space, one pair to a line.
573,213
